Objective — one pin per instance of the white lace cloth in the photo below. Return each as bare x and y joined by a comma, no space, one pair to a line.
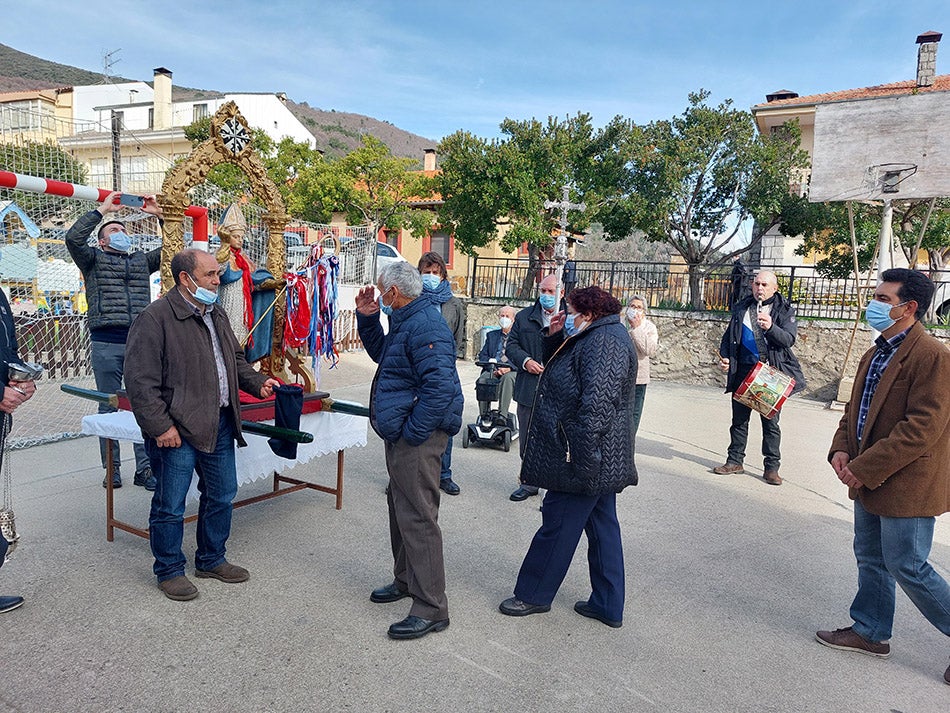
332,432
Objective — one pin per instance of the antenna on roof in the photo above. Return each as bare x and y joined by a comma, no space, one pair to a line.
109,61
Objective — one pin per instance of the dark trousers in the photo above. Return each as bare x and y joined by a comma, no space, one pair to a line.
639,395
524,417
739,435
418,565
564,517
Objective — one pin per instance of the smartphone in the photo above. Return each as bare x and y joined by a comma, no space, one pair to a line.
131,200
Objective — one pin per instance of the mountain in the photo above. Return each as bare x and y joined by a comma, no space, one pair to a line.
335,132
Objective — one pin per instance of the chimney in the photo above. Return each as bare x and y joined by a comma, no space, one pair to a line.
162,99
927,58
428,160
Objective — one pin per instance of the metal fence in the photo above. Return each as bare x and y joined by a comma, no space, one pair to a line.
666,286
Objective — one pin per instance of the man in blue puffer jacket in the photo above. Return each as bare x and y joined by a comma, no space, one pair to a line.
415,406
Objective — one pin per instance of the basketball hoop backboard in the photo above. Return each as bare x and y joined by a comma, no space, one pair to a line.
893,148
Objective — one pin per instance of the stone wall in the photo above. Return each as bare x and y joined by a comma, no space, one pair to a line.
689,342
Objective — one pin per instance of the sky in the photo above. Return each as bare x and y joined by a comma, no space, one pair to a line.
434,68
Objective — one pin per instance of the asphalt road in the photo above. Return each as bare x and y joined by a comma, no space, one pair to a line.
727,580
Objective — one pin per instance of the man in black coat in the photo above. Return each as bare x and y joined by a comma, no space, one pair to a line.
505,371
762,328
526,350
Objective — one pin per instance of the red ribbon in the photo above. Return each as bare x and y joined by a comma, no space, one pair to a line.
247,286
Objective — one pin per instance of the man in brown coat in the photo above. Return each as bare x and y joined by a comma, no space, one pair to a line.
892,450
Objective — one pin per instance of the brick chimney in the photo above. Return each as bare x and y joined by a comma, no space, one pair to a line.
162,99
428,160
927,58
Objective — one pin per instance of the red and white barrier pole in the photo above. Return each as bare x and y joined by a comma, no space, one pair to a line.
35,184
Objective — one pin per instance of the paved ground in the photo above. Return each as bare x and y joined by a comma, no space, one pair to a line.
727,579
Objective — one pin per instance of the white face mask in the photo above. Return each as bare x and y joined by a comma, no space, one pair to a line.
504,322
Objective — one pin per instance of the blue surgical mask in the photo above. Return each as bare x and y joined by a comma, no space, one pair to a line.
572,327
121,242
386,309
547,301
203,294
431,282
878,315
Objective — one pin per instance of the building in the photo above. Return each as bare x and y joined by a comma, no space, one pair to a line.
784,105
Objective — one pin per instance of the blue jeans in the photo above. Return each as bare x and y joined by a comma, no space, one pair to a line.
563,518
889,550
447,461
217,485
108,365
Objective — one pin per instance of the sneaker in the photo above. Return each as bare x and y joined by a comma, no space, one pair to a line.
145,478
10,603
729,469
116,480
225,572
179,588
850,640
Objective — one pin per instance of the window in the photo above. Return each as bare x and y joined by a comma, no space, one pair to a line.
151,117
441,242
392,237
100,172
200,111
383,250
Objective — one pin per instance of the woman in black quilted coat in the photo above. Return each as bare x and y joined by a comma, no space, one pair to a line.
580,448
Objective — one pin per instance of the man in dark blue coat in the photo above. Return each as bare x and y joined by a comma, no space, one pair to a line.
505,371
415,406
526,350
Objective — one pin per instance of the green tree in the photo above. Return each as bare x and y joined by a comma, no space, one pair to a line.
825,231
370,185
46,160
696,181
496,190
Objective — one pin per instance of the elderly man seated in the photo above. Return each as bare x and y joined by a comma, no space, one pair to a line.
494,348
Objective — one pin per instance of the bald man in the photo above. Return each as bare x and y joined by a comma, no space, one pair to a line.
762,328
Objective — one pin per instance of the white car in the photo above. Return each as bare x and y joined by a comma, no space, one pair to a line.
354,260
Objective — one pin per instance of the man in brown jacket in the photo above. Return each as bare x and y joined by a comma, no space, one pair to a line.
892,450
183,368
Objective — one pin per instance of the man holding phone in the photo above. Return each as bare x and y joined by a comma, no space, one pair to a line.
117,290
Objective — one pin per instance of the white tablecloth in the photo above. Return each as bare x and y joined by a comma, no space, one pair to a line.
332,432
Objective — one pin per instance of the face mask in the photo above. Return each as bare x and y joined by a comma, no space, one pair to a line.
386,309
878,315
431,282
121,242
572,327
632,313
504,322
547,301
202,294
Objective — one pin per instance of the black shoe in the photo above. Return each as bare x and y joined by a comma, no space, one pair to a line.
412,627
387,594
515,607
116,480
145,479
521,494
448,486
10,603
585,609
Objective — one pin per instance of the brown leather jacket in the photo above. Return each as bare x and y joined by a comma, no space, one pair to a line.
170,372
904,458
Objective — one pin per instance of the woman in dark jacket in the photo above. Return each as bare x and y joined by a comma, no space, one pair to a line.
580,448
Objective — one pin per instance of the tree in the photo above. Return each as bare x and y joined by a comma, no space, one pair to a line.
370,185
695,181
283,159
46,160
825,230
496,190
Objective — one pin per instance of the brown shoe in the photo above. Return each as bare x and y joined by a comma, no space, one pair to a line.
226,572
729,469
849,640
179,588
772,477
